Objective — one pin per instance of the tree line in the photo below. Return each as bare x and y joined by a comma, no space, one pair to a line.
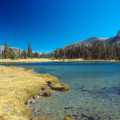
14,53
96,50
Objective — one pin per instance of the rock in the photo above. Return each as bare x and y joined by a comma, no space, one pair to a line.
49,83
46,92
37,97
58,86
43,88
31,101
68,117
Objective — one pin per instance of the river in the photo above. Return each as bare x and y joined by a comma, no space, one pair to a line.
94,94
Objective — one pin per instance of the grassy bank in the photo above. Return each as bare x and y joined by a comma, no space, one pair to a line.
17,85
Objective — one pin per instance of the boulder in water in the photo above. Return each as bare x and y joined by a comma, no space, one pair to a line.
58,86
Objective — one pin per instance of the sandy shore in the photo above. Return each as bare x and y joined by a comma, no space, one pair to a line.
17,85
38,60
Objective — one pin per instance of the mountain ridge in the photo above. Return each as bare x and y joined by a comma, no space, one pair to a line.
92,48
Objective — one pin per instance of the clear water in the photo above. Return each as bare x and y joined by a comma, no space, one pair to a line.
95,91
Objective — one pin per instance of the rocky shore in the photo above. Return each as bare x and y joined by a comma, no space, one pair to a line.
20,87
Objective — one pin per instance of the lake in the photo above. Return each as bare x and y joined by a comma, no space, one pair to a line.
94,94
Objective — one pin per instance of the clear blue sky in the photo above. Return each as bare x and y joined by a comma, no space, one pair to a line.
50,24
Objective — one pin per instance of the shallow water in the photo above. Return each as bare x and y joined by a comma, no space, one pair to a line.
94,94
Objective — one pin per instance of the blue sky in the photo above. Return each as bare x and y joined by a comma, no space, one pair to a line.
50,24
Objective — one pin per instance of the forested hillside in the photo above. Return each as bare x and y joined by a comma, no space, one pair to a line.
92,48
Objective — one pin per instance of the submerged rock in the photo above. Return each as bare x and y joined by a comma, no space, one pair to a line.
68,117
40,118
87,117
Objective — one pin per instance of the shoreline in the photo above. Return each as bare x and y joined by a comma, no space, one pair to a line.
18,86
44,60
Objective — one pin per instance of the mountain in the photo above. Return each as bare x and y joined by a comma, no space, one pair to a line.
112,40
115,39
92,40
95,40
92,48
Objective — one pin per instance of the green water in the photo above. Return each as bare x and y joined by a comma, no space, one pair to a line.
94,94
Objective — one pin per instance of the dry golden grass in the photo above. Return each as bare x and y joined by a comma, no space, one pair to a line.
17,85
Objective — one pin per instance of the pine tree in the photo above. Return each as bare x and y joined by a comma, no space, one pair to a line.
11,53
24,54
6,51
29,52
